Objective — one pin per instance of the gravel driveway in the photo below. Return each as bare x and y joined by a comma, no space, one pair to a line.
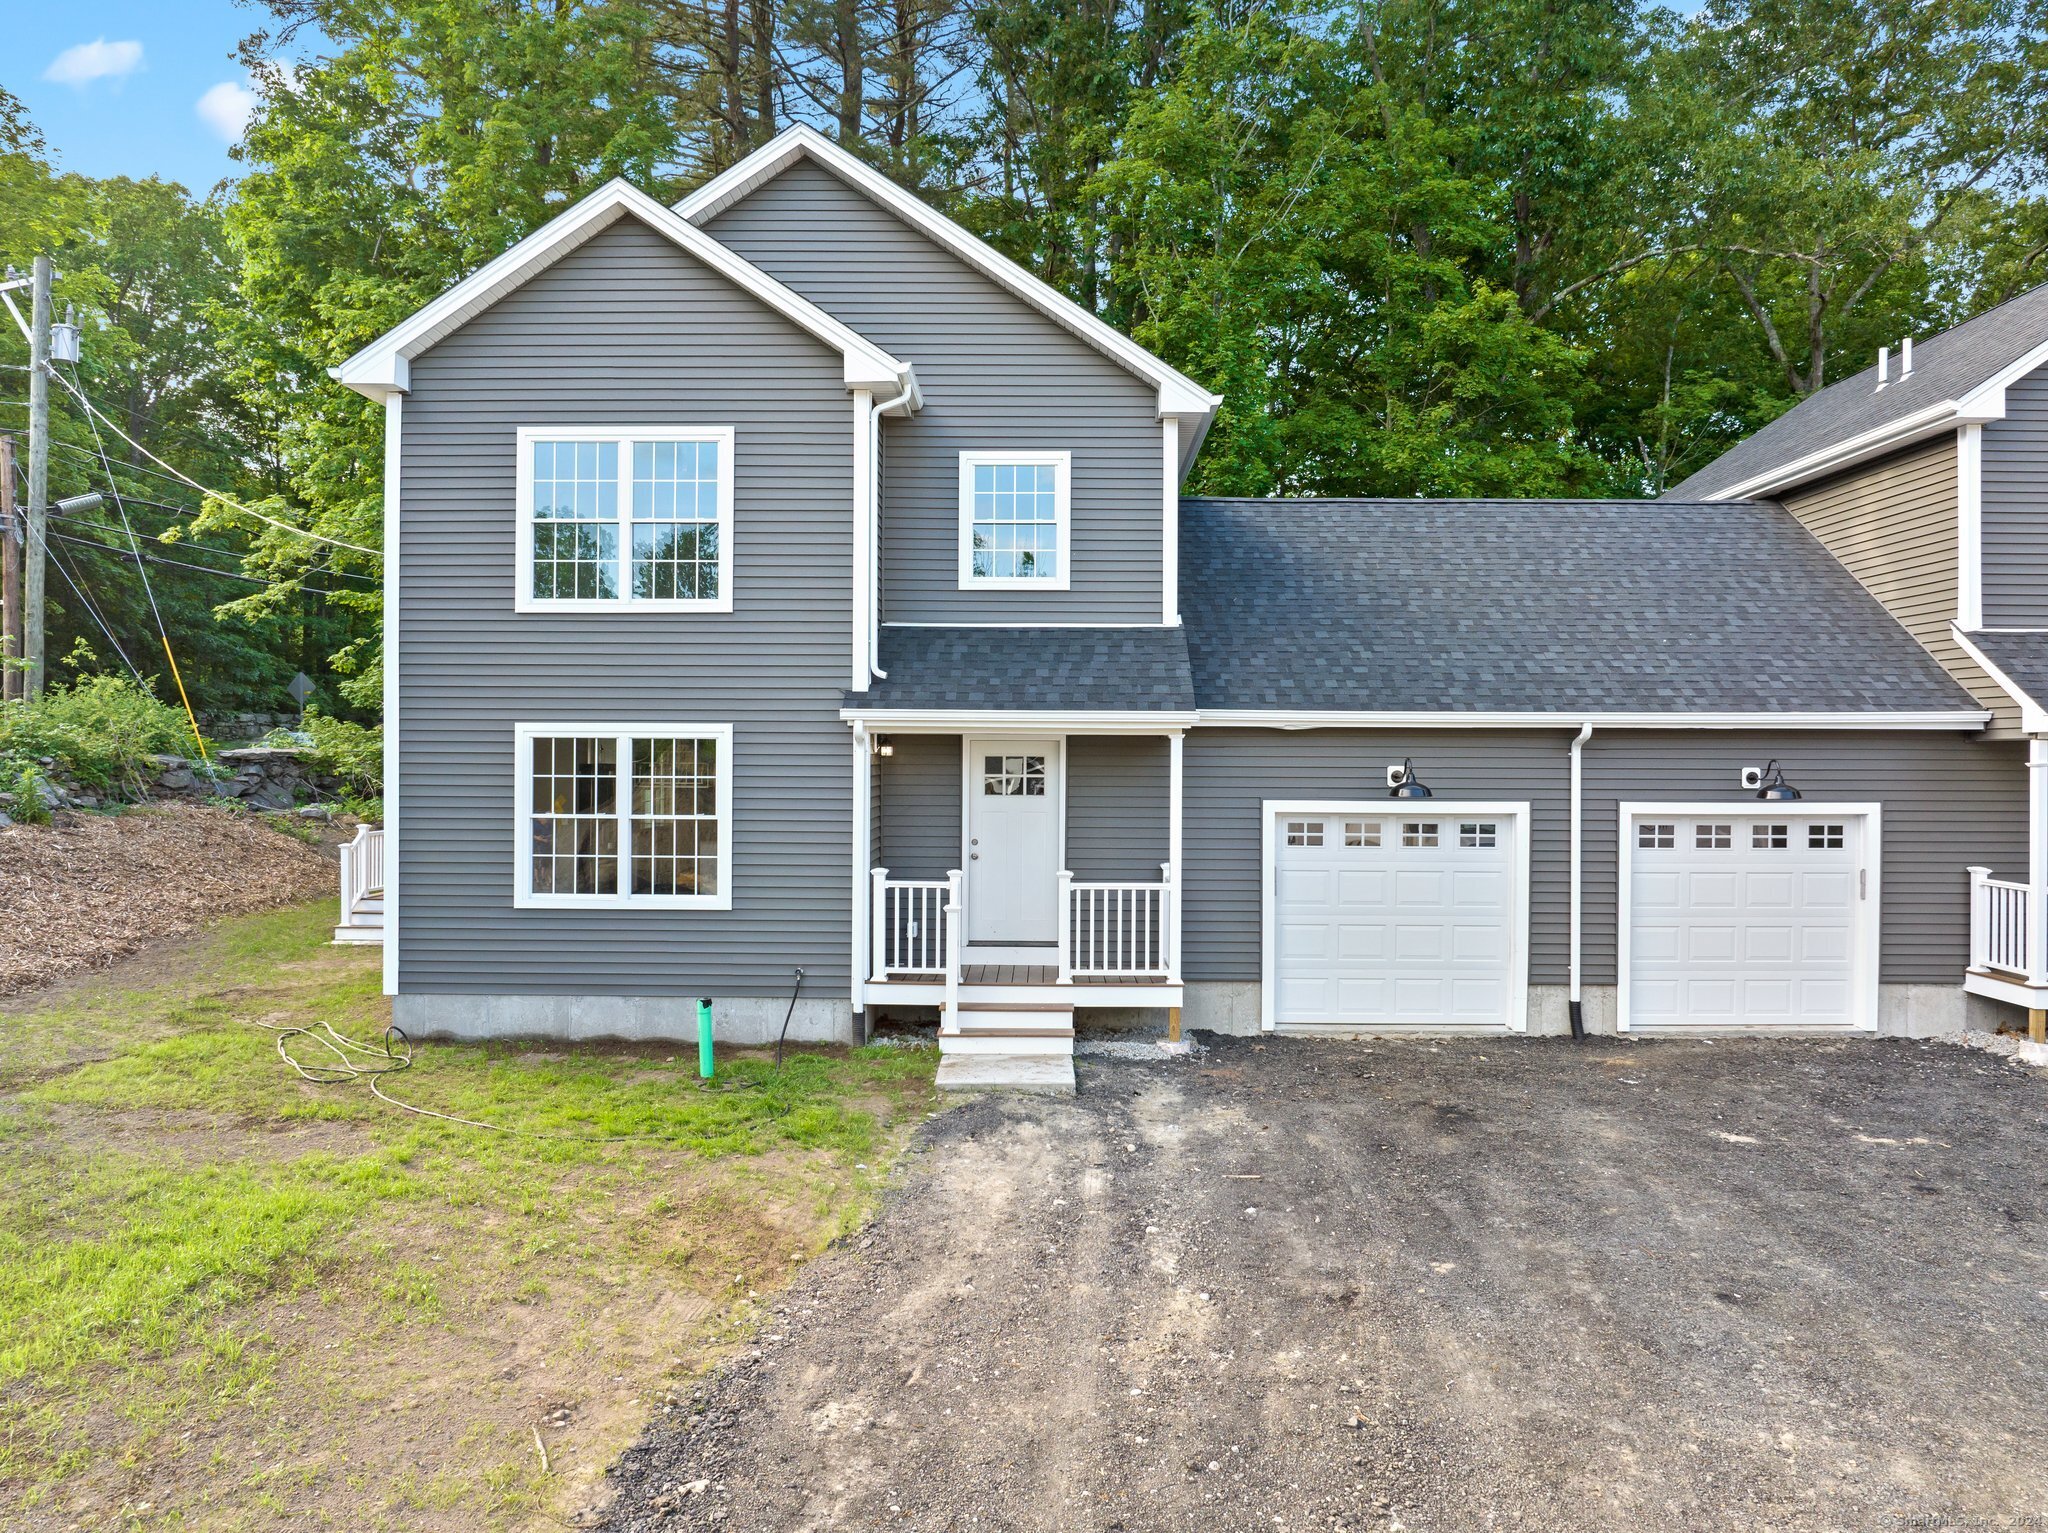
1426,1285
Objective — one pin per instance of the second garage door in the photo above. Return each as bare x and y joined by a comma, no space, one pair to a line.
1386,917
1746,918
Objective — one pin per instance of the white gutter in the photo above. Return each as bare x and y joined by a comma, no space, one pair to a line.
1578,1017
1292,718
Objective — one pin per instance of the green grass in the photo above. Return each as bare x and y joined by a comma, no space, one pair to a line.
179,1207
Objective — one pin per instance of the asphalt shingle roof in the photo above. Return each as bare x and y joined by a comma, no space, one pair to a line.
1137,670
2022,656
1945,367
1535,606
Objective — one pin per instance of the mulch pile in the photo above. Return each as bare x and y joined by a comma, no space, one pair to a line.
78,894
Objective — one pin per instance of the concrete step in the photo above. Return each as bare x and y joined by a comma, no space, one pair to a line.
359,933
1037,1073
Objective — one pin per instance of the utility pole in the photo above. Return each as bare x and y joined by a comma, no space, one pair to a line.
37,552
11,678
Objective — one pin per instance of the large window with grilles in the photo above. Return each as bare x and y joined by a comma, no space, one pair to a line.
624,815
613,519
1015,520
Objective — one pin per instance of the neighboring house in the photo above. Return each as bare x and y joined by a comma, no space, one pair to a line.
1926,476
789,581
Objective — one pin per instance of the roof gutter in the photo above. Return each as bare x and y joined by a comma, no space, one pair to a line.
1904,432
1303,718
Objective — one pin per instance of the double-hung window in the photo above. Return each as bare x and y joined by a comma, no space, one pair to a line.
620,816
1016,521
628,518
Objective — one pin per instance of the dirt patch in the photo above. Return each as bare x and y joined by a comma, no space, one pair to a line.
90,888
1431,1286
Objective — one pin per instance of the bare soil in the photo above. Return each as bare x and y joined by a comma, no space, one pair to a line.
1433,1286
91,888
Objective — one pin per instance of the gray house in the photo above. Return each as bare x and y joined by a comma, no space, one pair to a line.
788,581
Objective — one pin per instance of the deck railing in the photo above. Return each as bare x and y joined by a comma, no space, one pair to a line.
362,872
1118,930
909,925
2002,918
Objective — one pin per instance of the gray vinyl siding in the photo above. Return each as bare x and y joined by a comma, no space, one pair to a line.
1116,807
625,331
1948,800
1892,524
996,374
1228,772
2015,508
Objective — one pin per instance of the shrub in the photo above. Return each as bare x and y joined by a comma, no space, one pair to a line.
352,752
100,731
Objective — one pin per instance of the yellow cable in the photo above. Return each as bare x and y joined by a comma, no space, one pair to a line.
190,717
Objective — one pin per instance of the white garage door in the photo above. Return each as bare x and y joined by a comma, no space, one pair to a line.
1392,918
1747,919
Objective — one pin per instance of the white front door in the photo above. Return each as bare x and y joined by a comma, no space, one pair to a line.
1740,917
1013,839
1396,915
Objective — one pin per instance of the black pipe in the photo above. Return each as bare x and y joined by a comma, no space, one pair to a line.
793,989
1578,1019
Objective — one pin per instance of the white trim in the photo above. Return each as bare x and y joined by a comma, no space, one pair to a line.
2033,717
523,897
383,366
1176,802
863,529
1868,925
1022,626
394,418
1293,718
1169,527
1016,721
523,599
1970,525
1575,964
1874,443
1062,463
863,865
1178,394
1272,809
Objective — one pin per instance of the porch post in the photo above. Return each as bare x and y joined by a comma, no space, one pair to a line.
2037,861
878,923
1065,926
863,805
1174,743
1980,918
955,915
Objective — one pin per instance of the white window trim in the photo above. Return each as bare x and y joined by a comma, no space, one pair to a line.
523,896
523,598
1063,508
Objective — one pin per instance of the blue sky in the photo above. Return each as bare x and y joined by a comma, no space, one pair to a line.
133,87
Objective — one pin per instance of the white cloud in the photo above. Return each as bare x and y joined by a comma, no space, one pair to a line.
226,108
96,60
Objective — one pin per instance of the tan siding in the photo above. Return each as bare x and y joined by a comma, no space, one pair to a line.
1892,524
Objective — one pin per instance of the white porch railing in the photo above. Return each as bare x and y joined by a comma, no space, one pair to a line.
1118,930
909,925
362,879
2002,919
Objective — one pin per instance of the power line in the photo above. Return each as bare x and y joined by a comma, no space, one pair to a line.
203,569
212,548
56,557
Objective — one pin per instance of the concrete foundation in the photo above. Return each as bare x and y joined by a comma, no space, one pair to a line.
628,1018
1904,1011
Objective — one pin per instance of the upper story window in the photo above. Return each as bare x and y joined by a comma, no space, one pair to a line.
625,518
1015,520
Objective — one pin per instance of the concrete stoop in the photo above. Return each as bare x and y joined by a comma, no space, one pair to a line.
1044,1074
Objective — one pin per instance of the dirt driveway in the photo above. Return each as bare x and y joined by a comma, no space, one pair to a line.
1445,1286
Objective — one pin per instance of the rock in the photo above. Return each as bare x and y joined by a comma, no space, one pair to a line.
168,763
262,757
316,812
176,780
86,800
271,795
234,787
6,819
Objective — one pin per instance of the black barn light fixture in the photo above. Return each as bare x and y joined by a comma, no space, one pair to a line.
1774,786
1409,786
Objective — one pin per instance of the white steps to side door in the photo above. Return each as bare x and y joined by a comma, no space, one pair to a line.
1016,1048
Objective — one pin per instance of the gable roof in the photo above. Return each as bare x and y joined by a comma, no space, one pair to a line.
1178,394
1959,377
382,367
1558,609
2017,659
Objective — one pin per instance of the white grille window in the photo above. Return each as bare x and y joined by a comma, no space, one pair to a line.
625,816
1014,520
1709,836
1361,832
1418,833
1478,833
1656,836
1824,838
1770,838
1013,776
617,519
1304,832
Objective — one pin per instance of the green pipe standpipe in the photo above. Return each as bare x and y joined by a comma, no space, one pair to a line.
704,1037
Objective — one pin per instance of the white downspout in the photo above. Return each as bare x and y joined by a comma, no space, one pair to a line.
875,530
1576,1008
